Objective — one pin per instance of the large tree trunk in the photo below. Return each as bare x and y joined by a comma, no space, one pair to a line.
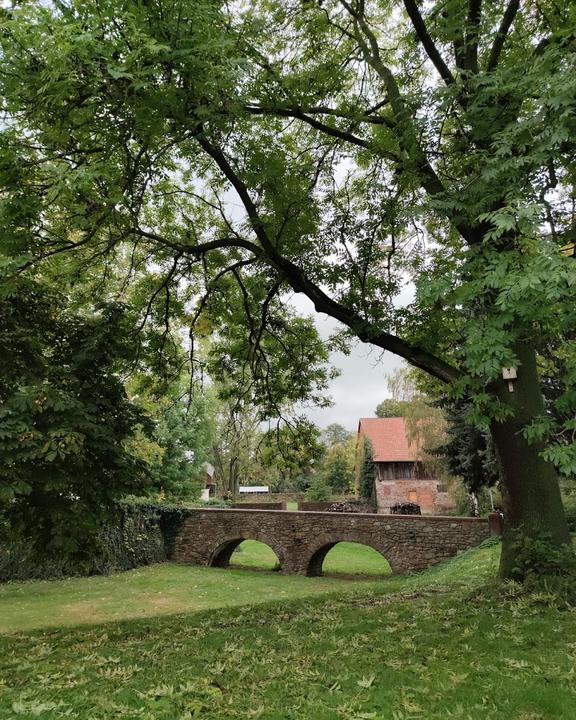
531,494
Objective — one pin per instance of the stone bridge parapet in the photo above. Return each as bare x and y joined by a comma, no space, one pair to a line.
301,540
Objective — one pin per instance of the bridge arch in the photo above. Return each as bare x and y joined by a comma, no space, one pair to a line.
220,554
301,540
321,547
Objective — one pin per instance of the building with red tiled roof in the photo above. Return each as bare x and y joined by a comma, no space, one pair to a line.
389,439
400,476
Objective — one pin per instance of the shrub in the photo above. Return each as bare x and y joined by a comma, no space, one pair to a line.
216,502
319,490
546,571
539,557
140,534
570,509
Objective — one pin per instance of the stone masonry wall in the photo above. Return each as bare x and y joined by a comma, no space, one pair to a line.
302,539
393,492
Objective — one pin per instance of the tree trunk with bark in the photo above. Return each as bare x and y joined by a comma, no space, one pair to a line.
533,506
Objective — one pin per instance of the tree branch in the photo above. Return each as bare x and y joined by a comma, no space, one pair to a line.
427,42
212,285
505,25
270,295
415,156
367,117
203,248
299,281
472,30
345,135
299,115
163,286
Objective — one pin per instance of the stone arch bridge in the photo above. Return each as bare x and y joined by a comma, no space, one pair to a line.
301,540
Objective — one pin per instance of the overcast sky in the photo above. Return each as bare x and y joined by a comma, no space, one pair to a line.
362,382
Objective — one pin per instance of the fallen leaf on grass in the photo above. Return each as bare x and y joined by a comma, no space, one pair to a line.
367,682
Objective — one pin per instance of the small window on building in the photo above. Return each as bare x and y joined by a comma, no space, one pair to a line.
442,488
413,496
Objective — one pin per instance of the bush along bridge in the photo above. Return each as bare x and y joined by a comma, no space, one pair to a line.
301,540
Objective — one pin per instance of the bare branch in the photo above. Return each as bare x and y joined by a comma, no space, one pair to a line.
213,283
163,286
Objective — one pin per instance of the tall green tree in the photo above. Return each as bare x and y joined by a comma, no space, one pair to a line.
363,141
334,434
366,472
292,450
184,430
65,420
338,466
235,445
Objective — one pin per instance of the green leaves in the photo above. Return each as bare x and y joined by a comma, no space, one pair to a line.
64,419
338,465
367,473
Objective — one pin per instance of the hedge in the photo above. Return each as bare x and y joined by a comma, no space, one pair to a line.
141,534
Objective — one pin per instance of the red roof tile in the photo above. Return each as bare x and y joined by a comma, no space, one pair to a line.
388,438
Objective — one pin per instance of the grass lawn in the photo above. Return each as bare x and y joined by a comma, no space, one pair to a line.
432,646
345,559
167,588
146,592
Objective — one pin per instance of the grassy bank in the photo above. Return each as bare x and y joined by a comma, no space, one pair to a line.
167,588
432,646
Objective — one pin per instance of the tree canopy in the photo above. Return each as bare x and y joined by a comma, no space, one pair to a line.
66,423
389,407
335,433
338,149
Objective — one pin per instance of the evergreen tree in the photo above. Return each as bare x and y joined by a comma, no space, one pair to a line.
367,479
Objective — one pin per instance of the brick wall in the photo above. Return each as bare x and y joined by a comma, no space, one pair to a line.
423,492
301,540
